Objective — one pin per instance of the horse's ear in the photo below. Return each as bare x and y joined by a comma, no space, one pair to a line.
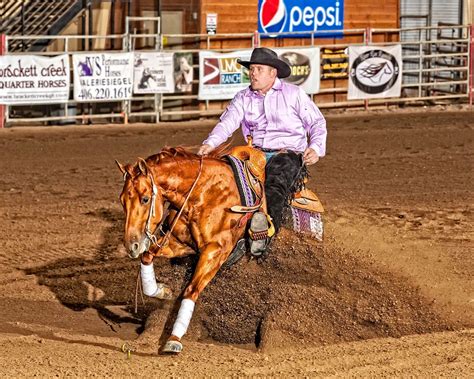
123,170
120,166
142,166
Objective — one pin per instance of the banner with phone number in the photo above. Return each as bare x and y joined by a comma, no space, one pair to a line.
103,76
28,79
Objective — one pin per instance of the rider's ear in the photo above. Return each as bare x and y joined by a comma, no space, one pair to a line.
142,166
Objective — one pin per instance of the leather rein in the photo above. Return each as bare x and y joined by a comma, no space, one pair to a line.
151,236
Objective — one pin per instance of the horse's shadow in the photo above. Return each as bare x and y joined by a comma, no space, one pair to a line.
104,282
109,282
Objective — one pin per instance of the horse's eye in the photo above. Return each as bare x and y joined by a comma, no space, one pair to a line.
145,199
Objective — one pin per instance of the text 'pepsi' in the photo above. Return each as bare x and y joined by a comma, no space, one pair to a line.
279,16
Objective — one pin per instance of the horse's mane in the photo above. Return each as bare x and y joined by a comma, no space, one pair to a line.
183,152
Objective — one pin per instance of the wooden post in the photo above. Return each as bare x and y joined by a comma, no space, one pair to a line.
471,64
256,39
2,107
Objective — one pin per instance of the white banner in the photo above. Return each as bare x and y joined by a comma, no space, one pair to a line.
183,72
305,67
107,76
153,73
29,79
374,72
221,77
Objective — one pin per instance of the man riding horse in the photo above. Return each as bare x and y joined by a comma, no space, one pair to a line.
283,122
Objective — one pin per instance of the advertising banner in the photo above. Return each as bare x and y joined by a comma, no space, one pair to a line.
334,64
221,77
29,79
286,16
183,72
103,76
305,67
374,72
153,73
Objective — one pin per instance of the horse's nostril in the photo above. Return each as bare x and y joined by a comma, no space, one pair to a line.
135,246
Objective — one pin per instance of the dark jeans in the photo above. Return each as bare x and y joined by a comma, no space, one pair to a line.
282,173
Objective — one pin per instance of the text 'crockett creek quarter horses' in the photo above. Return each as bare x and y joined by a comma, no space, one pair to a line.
193,195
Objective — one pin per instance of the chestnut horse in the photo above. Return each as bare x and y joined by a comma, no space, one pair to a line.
195,195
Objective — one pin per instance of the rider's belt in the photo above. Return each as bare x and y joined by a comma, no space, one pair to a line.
268,150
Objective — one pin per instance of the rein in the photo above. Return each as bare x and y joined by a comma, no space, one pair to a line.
151,214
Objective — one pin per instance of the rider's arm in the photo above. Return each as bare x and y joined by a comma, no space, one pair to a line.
314,123
229,122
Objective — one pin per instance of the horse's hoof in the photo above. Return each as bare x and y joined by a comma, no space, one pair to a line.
163,292
172,347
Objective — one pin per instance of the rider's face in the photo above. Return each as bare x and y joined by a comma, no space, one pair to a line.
262,77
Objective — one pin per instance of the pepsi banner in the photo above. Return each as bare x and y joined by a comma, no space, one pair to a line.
288,16
374,72
221,77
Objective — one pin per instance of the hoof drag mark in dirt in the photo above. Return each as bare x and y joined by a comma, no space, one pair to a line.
306,292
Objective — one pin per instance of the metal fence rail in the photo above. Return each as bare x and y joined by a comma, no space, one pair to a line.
434,70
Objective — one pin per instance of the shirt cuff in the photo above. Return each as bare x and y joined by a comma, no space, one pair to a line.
318,149
210,142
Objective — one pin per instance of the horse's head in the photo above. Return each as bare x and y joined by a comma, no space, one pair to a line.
142,201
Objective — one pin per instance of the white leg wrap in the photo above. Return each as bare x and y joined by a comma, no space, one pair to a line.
184,318
150,288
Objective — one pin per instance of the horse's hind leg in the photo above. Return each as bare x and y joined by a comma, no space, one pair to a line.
210,260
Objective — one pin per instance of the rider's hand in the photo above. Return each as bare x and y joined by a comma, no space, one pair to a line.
310,157
205,149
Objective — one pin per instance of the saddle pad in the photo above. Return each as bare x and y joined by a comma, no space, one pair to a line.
247,196
307,222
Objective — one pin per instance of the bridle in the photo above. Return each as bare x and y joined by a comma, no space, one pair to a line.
148,233
151,236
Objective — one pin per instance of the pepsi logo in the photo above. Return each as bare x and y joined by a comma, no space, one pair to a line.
273,16
300,67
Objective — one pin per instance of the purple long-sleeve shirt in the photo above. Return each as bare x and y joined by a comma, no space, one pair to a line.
285,118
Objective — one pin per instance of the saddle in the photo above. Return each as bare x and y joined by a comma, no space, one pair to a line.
254,162
254,165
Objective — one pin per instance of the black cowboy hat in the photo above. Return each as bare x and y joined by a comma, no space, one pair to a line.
263,55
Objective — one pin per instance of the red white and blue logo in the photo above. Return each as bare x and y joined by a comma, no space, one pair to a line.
313,16
272,16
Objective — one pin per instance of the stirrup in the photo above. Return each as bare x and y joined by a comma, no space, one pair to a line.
239,251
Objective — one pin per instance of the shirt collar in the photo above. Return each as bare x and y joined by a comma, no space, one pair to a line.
277,86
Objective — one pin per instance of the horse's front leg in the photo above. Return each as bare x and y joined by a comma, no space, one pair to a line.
150,286
211,258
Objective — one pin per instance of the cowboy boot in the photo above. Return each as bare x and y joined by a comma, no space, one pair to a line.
258,234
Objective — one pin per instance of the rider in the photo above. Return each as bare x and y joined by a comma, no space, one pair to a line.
282,121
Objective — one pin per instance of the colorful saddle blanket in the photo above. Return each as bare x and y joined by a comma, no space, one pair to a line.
248,197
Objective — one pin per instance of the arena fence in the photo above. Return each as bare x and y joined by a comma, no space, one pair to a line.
435,70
